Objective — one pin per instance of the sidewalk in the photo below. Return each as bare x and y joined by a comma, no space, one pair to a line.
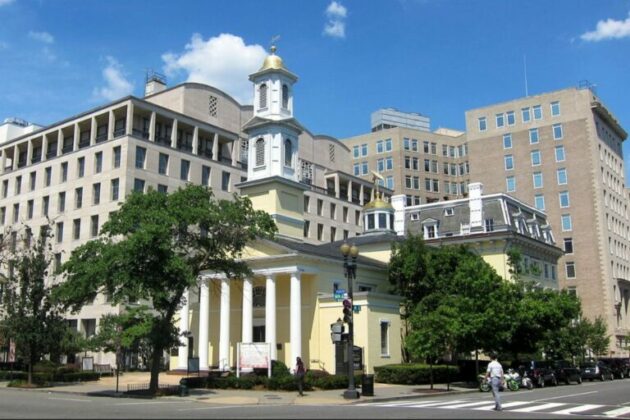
382,392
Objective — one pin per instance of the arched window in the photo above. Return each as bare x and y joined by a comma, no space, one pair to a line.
260,152
262,96
288,152
285,96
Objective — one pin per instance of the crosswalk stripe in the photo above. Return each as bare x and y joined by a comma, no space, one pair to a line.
506,405
468,404
617,412
578,409
538,407
435,404
392,403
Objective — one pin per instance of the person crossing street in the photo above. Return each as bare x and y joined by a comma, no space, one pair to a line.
494,373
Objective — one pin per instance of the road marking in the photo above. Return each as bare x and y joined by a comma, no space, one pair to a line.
578,409
468,404
143,403
435,404
219,408
506,405
617,412
565,396
69,399
538,407
391,404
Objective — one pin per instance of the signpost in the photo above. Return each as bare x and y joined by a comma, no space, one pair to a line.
250,356
340,294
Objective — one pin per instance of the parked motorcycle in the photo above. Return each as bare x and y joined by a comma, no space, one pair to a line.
512,380
526,381
484,384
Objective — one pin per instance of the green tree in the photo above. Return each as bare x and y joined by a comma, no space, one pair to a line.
153,248
30,317
598,339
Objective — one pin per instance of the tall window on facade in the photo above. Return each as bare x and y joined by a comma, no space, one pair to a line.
260,152
288,153
262,92
384,338
285,96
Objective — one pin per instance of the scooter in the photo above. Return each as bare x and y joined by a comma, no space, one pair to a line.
526,381
484,384
512,380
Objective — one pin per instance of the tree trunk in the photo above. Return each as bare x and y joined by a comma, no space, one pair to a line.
476,363
30,373
155,369
431,373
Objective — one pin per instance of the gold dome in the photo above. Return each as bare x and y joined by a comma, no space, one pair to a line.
272,62
378,203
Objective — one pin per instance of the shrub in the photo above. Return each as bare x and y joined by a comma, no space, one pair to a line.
331,382
6,375
78,377
415,374
195,382
279,369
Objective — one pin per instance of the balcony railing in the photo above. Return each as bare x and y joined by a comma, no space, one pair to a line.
119,132
140,133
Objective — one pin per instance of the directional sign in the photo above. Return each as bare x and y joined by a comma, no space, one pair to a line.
356,308
340,294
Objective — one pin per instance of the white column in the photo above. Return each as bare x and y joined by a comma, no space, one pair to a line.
204,317
152,127
182,359
248,310
44,147
235,151
195,145
77,136
174,134
59,142
129,128
93,127
295,317
224,326
215,147
270,315
110,125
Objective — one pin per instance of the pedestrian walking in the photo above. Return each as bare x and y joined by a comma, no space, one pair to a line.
494,373
299,375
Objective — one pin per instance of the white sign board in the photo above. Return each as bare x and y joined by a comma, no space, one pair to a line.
253,356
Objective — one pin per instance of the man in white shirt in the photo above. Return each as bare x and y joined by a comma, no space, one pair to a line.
494,373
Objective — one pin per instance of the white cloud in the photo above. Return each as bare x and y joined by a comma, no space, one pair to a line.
608,29
224,61
44,37
336,24
5,2
116,85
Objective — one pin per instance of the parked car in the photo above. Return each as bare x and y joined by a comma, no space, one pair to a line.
617,365
566,372
541,372
596,370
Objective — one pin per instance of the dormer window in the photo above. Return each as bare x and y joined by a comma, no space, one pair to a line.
262,91
260,152
448,211
288,153
430,229
285,96
489,225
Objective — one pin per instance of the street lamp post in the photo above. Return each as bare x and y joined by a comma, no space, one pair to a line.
350,272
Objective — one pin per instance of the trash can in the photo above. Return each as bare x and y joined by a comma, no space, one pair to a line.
183,388
367,385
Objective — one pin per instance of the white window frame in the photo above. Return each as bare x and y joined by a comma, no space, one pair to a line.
507,184
526,111
561,134
499,117
534,109
565,194
535,153
379,147
507,141
482,122
567,217
507,118
551,108
534,176
531,137
541,198
388,347
566,177
564,156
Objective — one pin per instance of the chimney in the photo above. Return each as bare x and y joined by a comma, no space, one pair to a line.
155,83
475,191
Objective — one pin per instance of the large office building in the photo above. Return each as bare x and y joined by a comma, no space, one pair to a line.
561,151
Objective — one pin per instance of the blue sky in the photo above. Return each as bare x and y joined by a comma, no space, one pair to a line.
436,57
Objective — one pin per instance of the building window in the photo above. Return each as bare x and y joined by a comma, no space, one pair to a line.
500,119
96,193
356,169
379,146
45,205
32,180
163,164
555,109
262,91
333,211
94,226
526,115
320,207
162,189
538,179
507,141
537,112
510,182
539,202
389,182
5,188
117,156
570,269
430,230
482,124
29,209
141,154
510,118
388,145
560,154
384,338
64,171
564,199
98,162
48,176
320,232
307,228
509,162
567,225
285,96
333,233
138,185
76,229
364,149
535,156
557,131
562,176
205,175
225,181
533,136
489,225
184,170
288,153
355,152
80,167
114,189
78,198
568,245
59,232
364,168
61,202
260,152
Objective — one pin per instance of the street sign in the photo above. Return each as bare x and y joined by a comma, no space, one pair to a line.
340,294
356,308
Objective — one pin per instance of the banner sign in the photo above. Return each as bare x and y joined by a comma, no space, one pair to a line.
253,356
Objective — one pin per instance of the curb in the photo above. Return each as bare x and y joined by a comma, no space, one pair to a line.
416,396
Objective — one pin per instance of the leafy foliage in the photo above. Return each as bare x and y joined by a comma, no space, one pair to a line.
415,374
152,249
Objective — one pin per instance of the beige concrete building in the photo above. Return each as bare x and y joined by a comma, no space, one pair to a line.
561,151
425,166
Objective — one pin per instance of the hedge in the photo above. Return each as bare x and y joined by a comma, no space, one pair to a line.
43,377
415,374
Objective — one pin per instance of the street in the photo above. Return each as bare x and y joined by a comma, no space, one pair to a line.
591,399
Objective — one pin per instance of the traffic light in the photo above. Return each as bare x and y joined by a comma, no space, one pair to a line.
347,310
